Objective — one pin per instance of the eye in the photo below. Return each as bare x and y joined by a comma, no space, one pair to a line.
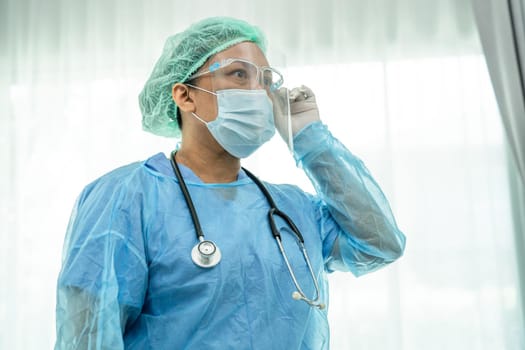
240,74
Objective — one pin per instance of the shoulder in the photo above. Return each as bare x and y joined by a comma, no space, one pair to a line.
291,194
122,180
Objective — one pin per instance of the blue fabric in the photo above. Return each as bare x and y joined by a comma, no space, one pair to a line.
128,282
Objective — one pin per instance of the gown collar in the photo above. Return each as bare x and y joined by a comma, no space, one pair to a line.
160,163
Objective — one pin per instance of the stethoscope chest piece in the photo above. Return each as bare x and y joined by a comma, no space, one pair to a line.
205,254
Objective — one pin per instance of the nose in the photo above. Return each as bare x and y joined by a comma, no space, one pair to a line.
259,85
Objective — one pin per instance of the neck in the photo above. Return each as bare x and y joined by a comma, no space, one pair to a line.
210,167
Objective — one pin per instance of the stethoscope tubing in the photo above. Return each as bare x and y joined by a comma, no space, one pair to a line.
208,261
187,197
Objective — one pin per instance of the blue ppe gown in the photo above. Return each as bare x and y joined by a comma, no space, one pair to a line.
128,282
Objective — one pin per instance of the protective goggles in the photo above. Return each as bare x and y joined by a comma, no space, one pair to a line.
243,74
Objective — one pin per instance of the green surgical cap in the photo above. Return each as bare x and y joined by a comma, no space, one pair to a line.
184,53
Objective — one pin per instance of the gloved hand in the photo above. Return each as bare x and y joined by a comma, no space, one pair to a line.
303,111
303,108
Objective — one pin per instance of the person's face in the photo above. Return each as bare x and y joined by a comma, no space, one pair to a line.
206,103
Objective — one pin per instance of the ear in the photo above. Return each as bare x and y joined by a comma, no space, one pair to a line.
181,95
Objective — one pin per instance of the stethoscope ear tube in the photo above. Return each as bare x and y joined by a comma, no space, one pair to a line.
274,211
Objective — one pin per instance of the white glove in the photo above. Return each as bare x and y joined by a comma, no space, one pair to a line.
303,108
293,110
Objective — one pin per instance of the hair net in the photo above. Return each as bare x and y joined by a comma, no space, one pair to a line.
183,54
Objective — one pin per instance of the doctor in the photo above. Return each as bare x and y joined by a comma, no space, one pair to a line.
182,252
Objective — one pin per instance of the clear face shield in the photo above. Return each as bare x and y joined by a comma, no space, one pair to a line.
237,68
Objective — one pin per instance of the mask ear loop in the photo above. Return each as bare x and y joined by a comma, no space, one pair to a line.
201,89
199,118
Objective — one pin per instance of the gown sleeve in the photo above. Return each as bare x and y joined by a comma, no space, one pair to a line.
366,235
102,283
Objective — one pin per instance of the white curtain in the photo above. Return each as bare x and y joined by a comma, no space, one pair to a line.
501,26
402,83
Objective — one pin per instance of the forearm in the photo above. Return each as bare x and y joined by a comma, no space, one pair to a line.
83,323
354,199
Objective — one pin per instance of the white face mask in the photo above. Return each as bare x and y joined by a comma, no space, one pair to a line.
244,120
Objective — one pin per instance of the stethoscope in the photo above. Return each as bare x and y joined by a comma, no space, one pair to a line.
206,254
